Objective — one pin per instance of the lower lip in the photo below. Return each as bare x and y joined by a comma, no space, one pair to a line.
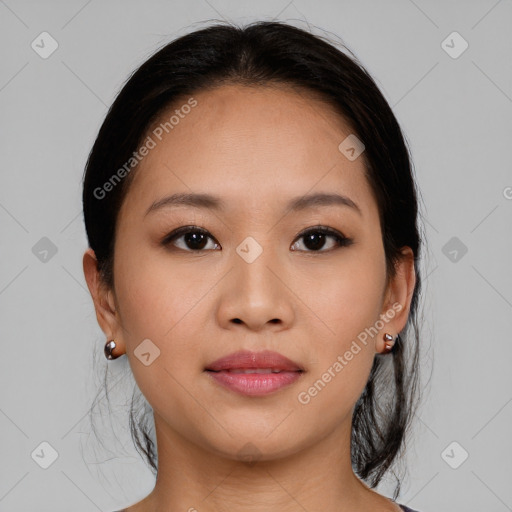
255,384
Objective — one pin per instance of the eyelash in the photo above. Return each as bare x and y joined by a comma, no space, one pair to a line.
341,240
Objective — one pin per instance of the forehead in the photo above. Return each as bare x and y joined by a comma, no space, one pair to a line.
249,144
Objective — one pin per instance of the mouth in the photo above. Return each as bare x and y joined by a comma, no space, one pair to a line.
254,382
254,374
246,361
252,370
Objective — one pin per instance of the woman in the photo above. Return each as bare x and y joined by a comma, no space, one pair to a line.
252,221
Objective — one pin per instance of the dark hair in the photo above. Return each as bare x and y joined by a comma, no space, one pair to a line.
278,54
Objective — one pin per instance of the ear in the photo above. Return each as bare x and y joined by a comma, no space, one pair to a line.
104,302
398,296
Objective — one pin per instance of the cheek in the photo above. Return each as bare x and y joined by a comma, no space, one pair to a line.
348,296
166,302
348,304
159,303
343,360
154,293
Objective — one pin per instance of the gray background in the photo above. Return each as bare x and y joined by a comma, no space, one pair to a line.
456,114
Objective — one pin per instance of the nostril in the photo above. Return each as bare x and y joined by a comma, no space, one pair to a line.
273,321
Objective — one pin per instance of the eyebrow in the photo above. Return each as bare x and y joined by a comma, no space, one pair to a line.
209,201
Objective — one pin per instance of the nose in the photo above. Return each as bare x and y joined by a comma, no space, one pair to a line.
255,294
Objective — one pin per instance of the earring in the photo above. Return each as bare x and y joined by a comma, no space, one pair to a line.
109,347
388,341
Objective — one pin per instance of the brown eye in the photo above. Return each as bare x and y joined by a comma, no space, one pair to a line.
193,239
315,239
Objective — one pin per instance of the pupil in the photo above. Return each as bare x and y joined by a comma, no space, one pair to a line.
195,240
314,240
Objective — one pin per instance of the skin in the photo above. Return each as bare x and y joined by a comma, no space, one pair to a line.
256,148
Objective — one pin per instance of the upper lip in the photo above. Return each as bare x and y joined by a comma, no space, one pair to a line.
246,359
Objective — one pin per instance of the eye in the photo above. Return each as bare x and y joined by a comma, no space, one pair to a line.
194,239
314,239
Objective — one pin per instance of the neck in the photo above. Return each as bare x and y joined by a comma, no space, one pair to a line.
316,477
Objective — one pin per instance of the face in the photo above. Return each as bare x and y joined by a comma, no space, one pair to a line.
252,273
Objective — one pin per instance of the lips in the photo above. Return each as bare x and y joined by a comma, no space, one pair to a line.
246,361
254,374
